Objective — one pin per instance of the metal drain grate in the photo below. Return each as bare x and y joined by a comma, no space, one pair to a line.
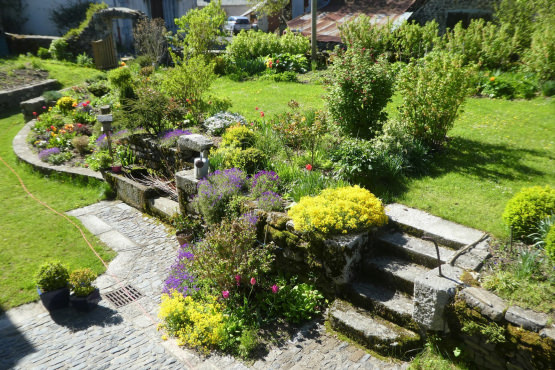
122,296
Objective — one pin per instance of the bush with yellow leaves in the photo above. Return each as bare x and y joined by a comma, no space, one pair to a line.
338,211
196,323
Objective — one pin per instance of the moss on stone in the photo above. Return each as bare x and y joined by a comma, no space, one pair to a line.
467,278
282,238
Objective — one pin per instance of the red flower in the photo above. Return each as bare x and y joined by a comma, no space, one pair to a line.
308,167
225,294
253,281
275,288
238,279
43,107
261,114
256,108
35,114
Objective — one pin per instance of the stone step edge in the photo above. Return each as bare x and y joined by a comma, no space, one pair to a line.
371,331
423,252
420,223
374,267
397,309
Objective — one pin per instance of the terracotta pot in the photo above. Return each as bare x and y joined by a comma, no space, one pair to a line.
116,169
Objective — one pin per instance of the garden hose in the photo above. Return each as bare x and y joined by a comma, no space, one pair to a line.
82,234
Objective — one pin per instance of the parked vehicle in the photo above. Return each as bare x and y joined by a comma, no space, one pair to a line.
236,24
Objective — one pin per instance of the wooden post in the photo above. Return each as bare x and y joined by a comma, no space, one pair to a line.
313,38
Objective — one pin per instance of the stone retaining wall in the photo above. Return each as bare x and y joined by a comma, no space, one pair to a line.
10,99
495,335
23,44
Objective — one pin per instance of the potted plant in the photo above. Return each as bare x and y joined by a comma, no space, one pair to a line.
52,279
116,166
187,228
85,296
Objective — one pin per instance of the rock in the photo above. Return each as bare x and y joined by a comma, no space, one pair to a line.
30,106
277,220
548,333
487,303
432,293
527,319
186,181
195,143
341,255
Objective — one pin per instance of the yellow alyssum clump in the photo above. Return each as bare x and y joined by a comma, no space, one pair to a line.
66,103
338,211
195,323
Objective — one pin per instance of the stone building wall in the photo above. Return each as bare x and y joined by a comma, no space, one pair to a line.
440,9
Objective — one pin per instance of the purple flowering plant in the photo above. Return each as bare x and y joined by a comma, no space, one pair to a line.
44,154
270,201
262,182
181,278
216,190
169,138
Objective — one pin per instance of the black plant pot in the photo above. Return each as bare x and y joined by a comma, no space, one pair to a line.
55,299
85,304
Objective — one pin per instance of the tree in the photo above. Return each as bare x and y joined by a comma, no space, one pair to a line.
150,38
200,28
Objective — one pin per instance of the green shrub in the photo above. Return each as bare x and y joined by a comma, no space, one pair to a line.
69,15
483,43
413,41
510,85
51,96
43,53
66,104
84,60
527,208
288,76
239,136
81,144
81,282
548,88
122,79
293,43
338,211
540,57
550,244
252,44
360,86
51,276
99,88
363,33
146,71
59,49
249,160
433,90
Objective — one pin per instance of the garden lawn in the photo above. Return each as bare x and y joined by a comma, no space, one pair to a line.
270,97
496,148
30,234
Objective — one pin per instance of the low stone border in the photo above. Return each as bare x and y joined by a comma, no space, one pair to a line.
25,154
10,98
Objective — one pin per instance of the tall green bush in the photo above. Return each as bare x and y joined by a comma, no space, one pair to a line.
252,44
540,57
360,86
433,90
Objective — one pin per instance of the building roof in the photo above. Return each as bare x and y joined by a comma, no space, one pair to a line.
337,12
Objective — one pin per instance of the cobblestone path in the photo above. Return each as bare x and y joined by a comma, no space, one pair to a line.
126,337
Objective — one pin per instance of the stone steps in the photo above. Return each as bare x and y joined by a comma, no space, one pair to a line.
389,304
420,223
394,272
411,248
372,331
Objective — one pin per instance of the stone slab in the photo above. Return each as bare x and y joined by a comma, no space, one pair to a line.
117,241
527,319
432,294
548,333
423,223
194,142
487,303
94,224
186,181
342,255
164,207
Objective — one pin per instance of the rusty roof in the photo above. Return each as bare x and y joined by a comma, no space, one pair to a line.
337,12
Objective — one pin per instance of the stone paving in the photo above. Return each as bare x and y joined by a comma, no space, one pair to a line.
126,337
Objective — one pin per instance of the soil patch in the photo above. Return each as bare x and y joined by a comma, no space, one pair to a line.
20,77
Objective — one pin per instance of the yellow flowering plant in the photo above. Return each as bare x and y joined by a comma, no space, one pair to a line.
66,103
196,323
338,211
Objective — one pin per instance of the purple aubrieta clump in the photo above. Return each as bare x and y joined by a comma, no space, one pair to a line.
221,185
250,217
102,142
44,154
270,201
170,134
179,278
264,181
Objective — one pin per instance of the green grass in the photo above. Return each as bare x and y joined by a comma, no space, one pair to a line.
30,234
496,148
270,97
